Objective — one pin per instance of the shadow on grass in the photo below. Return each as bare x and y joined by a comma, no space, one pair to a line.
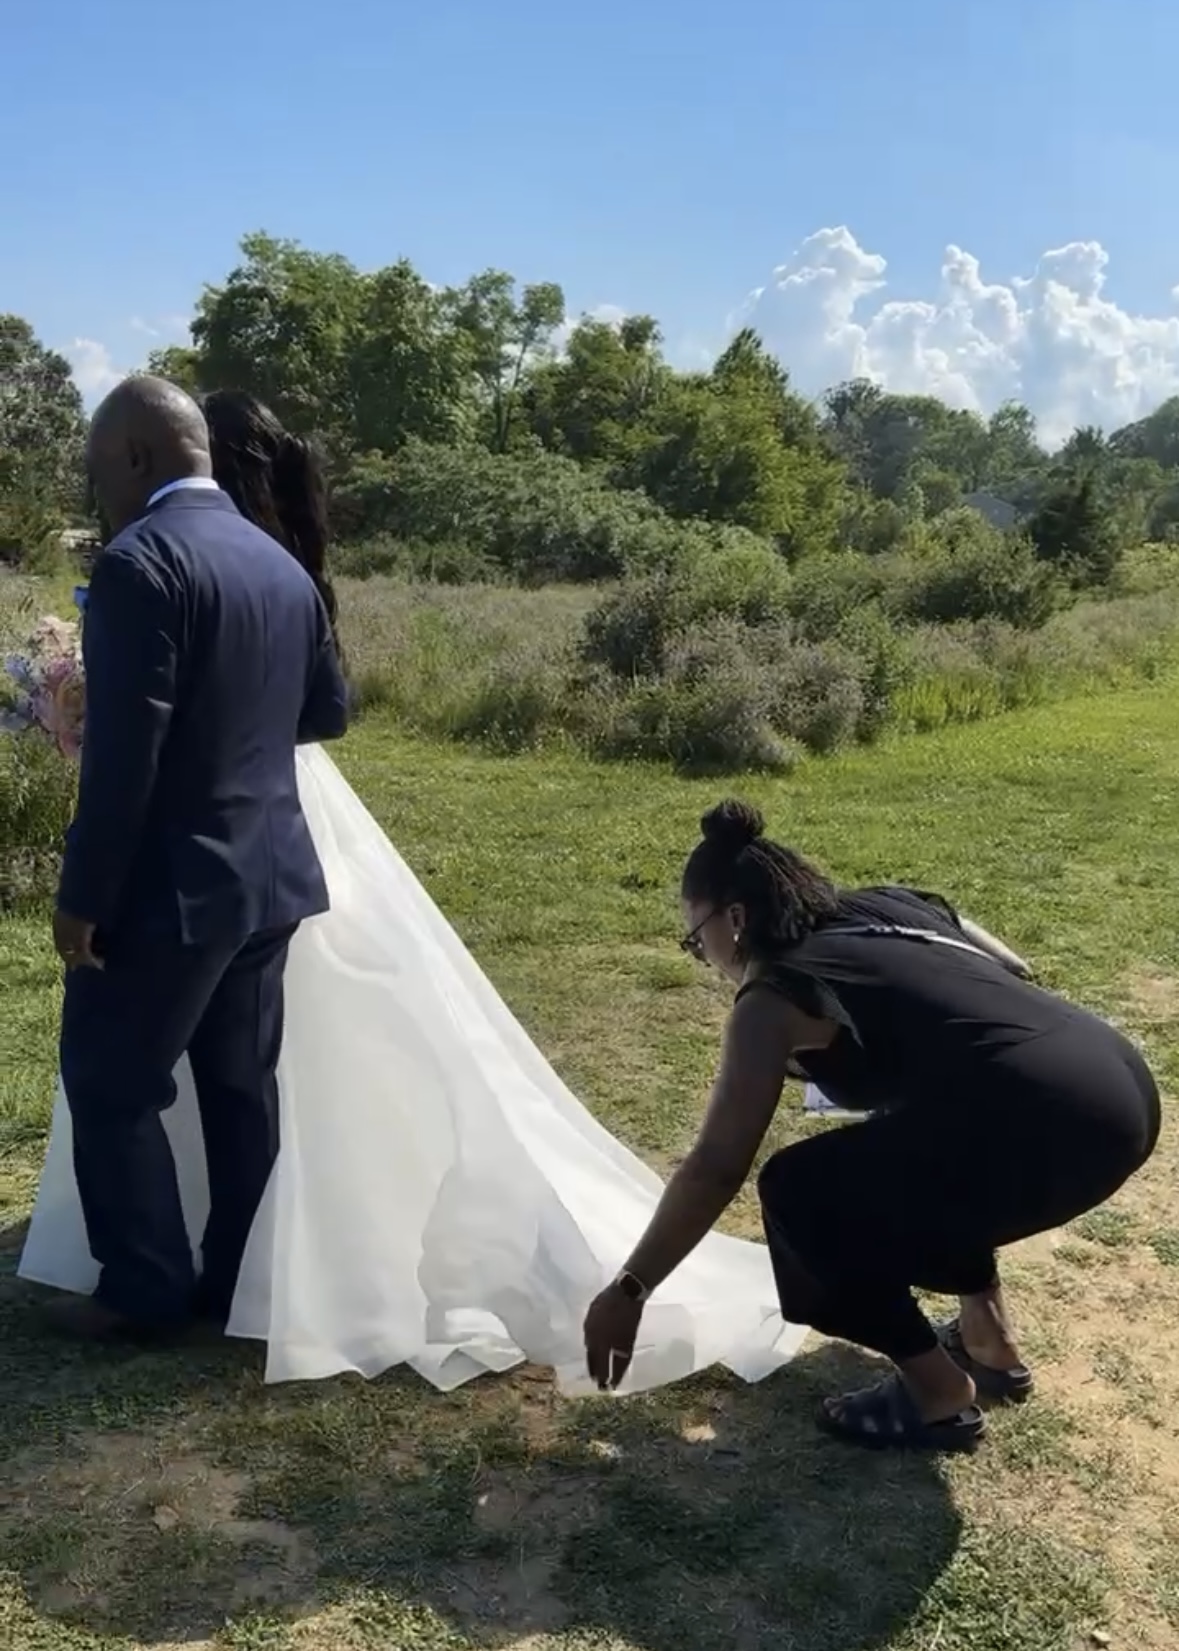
172,1496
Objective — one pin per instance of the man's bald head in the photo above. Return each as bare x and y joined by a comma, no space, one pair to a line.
145,434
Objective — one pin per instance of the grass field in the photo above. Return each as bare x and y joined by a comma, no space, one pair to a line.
167,1500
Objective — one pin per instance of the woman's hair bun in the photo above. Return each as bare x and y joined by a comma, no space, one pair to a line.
732,826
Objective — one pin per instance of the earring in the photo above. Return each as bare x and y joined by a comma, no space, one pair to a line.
736,938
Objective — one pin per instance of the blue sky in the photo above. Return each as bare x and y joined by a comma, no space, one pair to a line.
657,156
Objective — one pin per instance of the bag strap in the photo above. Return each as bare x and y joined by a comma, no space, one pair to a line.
897,930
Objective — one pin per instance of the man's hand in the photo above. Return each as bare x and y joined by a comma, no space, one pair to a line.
74,940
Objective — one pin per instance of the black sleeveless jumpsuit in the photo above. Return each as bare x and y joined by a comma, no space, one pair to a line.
997,1111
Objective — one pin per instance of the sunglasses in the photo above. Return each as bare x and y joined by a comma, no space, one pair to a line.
692,944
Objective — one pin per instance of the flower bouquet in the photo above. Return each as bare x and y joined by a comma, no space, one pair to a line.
47,686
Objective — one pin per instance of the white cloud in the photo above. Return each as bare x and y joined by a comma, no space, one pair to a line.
98,368
94,368
173,329
1051,339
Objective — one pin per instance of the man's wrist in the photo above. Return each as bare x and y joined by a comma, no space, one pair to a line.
632,1287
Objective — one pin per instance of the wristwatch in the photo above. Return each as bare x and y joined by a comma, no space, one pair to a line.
632,1288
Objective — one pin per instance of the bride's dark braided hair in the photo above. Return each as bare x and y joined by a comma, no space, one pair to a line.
275,479
736,864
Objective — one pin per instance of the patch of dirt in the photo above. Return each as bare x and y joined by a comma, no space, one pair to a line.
1111,1372
120,1531
538,1401
1153,995
533,1519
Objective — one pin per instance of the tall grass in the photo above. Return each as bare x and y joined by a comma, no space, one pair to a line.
508,669
514,670
967,672
481,662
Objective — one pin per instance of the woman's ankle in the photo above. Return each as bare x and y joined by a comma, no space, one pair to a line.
986,1329
939,1388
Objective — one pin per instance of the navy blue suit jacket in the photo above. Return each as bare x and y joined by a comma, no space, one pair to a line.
208,658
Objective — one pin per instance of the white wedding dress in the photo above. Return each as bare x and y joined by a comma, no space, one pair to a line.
441,1199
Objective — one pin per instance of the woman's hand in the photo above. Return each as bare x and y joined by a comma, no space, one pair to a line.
611,1327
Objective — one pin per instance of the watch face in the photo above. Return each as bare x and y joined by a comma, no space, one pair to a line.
630,1286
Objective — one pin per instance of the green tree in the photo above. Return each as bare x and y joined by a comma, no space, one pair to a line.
283,326
1014,456
940,490
1076,531
42,435
747,367
1154,437
887,439
716,449
505,332
407,367
1085,451
179,364
591,402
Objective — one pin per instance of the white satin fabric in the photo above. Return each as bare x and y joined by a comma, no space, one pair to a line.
441,1199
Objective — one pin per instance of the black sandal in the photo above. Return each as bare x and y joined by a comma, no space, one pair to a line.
884,1417
1013,1386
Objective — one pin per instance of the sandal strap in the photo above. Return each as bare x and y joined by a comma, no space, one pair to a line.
1002,1384
888,1404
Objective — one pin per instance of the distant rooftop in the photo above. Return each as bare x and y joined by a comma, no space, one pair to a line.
997,511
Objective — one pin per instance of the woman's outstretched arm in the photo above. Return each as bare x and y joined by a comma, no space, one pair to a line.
764,1030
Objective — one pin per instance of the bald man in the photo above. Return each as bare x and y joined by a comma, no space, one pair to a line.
189,865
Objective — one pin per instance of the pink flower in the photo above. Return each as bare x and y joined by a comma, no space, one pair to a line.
60,704
56,636
51,683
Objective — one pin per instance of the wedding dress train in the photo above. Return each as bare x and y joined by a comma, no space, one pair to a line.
441,1199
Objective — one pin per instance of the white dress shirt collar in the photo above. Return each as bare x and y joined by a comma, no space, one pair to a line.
204,484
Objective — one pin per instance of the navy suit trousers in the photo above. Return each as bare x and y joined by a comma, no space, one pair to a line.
123,1031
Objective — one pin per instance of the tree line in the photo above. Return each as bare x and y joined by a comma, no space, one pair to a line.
410,388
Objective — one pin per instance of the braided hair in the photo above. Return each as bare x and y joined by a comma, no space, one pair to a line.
276,480
736,864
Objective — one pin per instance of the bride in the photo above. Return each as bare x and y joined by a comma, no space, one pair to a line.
440,1199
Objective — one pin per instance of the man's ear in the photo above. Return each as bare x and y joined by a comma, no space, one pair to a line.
139,460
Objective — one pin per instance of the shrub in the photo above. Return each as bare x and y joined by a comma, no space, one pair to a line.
874,526
884,664
516,705
955,568
439,562
731,695
1147,568
37,790
827,589
710,712
31,518
818,695
363,497
631,630
1077,532
989,578
535,517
